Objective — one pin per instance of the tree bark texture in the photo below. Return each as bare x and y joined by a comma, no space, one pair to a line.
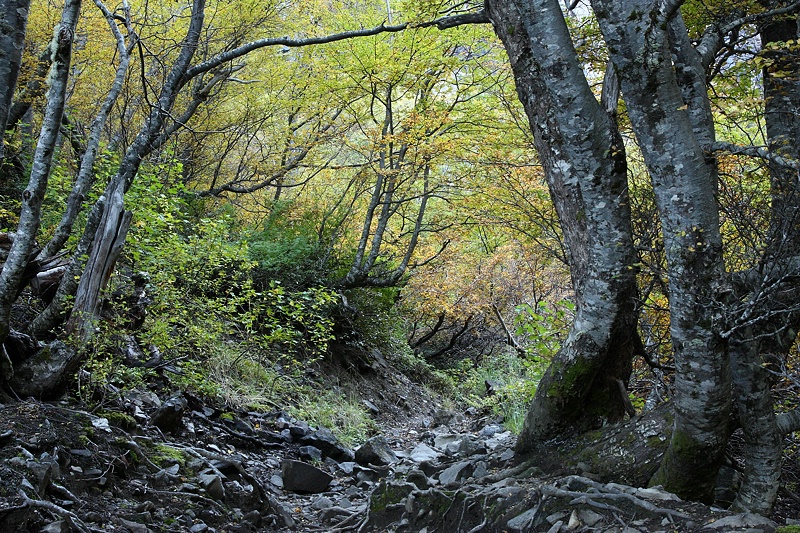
585,167
684,182
13,20
30,215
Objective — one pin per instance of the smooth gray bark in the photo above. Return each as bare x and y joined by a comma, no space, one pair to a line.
86,170
763,340
585,167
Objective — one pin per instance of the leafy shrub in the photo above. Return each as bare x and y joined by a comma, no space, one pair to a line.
287,249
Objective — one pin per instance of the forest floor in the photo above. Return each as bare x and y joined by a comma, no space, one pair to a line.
166,462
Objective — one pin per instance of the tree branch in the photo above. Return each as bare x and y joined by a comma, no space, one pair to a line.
442,23
713,38
753,151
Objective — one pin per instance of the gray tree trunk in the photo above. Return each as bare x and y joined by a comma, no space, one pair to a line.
13,19
21,251
765,341
585,166
115,221
636,33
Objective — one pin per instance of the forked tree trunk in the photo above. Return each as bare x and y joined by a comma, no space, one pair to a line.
585,167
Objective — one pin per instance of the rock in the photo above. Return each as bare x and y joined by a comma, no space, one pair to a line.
418,478
481,470
589,517
443,440
497,440
454,473
423,452
491,430
375,451
310,452
133,527
328,444
321,503
298,430
56,527
253,518
334,514
282,512
744,520
372,407
469,446
303,477
523,521
168,417
656,493
347,467
507,455
212,484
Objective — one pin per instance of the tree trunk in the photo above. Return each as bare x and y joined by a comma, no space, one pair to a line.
13,19
115,222
12,274
667,130
585,167
767,341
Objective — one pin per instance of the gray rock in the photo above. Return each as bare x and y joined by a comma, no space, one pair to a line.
589,517
741,521
328,444
375,451
212,484
322,502
523,521
481,470
303,477
56,527
507,454
372,407
418,478
491,430
423,452
334,514
443,440
298,430
134,527
168,417
252,518
451,475
347,467
282,512
310,452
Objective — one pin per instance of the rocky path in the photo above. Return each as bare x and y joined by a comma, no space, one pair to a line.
175,464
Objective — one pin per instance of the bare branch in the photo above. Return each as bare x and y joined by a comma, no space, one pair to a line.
714,37
442,23
753,151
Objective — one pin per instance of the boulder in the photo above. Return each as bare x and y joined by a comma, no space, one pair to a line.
375,451
302,477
